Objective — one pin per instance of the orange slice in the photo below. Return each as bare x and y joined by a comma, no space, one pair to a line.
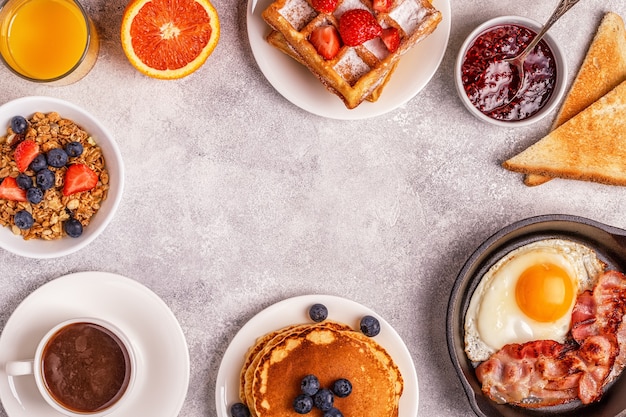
169,39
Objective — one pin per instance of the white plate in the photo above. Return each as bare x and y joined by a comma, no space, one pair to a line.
294,311
162,353
298,85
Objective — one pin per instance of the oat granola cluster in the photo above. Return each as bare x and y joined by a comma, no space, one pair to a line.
51,131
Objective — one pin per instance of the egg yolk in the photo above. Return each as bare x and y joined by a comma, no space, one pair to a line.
544,292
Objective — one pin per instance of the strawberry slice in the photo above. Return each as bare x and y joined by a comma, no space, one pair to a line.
9,190
24,154
324,6
78,178
357,26
325,40
391,38
382,6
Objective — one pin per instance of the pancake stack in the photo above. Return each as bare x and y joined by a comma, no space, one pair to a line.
276,364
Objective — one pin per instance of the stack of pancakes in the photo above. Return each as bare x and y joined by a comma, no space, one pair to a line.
276,364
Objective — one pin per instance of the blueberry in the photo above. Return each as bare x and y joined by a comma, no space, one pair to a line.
23,219
74,149
303,404
310,384
34,195
318,312
333,412
24,181
73,228
324,399
39,163
56,157
19,124
45,179
370,326
239,410
342,388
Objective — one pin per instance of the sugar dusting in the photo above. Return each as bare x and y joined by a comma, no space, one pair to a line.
298,13
351,67
409,14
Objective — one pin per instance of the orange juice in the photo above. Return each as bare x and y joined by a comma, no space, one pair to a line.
45,39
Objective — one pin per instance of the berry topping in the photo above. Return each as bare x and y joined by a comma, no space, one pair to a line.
310,385
391,38
382,6
74,149
23,220
24,181
18,124
318,312
303,404
370,326
56,157
324,399
73,228
333,412
324,6
342,388
357,26
34,195
39,163
25,152
78,178
239,410
325,40
9,190
45,179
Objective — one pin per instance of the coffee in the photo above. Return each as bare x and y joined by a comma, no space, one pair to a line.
85,367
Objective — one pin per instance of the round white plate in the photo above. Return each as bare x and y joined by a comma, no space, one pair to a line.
298,85
294,311
162,353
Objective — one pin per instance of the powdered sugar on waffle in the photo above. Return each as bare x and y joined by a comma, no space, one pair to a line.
348,5
298,13
409,15
351,66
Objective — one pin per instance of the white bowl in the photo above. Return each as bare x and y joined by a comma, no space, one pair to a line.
561,71
37,248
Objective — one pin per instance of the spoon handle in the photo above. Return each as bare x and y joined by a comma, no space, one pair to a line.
561,9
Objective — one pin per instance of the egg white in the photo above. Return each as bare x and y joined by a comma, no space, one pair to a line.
494,319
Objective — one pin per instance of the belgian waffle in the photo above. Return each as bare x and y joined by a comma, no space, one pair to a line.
357,71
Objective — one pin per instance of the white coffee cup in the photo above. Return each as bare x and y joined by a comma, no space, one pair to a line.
69,348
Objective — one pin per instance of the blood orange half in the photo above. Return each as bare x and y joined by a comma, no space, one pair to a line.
169,39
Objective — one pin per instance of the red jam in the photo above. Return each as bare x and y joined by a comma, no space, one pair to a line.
491,84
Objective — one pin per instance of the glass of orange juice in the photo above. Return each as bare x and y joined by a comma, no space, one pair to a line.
52,41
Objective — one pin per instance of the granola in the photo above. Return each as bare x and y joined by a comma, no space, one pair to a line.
51,131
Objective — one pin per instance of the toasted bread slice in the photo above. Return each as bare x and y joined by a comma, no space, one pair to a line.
590,146
603,68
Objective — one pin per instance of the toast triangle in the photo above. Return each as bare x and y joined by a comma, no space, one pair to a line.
603,68
590,146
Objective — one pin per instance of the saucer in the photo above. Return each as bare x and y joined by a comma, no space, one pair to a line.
162,353
295,310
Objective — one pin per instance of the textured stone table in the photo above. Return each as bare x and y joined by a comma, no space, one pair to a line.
235,198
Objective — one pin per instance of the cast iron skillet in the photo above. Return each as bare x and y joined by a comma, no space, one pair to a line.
609,243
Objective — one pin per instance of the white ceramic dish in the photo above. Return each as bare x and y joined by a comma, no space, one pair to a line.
296,83
162,353
561,71
36,248
293,311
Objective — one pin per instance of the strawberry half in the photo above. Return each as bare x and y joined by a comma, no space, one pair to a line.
78,178
357,26
391,38
382,6
24,154
9,190
325,40
324,6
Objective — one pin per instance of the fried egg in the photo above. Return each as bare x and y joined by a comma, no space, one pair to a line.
529,295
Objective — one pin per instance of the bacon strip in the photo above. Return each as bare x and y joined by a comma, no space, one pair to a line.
545,373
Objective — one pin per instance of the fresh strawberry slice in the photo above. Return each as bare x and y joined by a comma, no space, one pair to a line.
357,26
9,190
324,6
24,154
382,6
78,178
325,40
391,38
